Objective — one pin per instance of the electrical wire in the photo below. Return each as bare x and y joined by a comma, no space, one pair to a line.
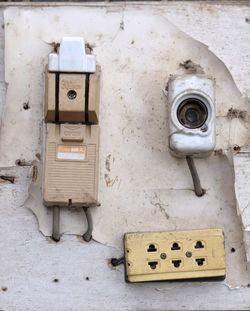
199,191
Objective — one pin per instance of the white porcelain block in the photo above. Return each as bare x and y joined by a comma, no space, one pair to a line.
72,57
199,141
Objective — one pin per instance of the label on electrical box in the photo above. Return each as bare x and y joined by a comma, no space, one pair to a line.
65,152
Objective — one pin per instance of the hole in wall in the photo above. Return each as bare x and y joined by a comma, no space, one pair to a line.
26,106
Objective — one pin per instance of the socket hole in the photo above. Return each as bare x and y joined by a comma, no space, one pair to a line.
175,247
153,264
199,245
176,263
200,261
232,249
152,248
192,113
72,94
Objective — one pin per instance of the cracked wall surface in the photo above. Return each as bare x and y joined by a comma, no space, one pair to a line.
142,188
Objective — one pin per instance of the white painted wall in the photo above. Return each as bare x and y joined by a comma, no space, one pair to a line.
30,261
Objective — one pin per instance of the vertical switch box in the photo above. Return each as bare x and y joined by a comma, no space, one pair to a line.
71,164
75,94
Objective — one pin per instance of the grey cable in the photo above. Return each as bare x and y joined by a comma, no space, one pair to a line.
199,191
56,223
88,234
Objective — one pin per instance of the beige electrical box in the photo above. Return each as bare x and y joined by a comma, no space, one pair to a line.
72,132
72,97
196,254
71,166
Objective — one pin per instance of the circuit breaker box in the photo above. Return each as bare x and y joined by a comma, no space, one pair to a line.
72,131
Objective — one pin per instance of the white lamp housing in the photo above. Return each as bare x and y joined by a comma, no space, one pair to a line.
192,115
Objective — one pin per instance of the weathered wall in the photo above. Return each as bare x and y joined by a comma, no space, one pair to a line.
138,46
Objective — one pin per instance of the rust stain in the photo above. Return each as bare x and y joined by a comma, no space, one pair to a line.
218,152
34,173
107,163
50,240
110,181
108,10
55,46
192,67
80,238
110,264
236,113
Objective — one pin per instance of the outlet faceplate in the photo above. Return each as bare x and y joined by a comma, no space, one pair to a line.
194,254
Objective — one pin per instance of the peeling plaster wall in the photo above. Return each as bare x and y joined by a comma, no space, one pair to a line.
73,275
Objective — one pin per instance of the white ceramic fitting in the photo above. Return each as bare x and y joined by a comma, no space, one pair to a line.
72,57
192,115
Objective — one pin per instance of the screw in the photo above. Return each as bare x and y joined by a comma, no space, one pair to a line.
204,128
163,256
72,94
189,254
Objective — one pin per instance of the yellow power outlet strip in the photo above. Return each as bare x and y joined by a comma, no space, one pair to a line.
194,254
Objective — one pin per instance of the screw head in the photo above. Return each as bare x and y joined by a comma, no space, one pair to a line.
189,254
163,255
204,128
72,94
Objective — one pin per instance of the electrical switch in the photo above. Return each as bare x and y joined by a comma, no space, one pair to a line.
72,131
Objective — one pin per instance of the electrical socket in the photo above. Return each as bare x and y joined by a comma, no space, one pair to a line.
195,254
